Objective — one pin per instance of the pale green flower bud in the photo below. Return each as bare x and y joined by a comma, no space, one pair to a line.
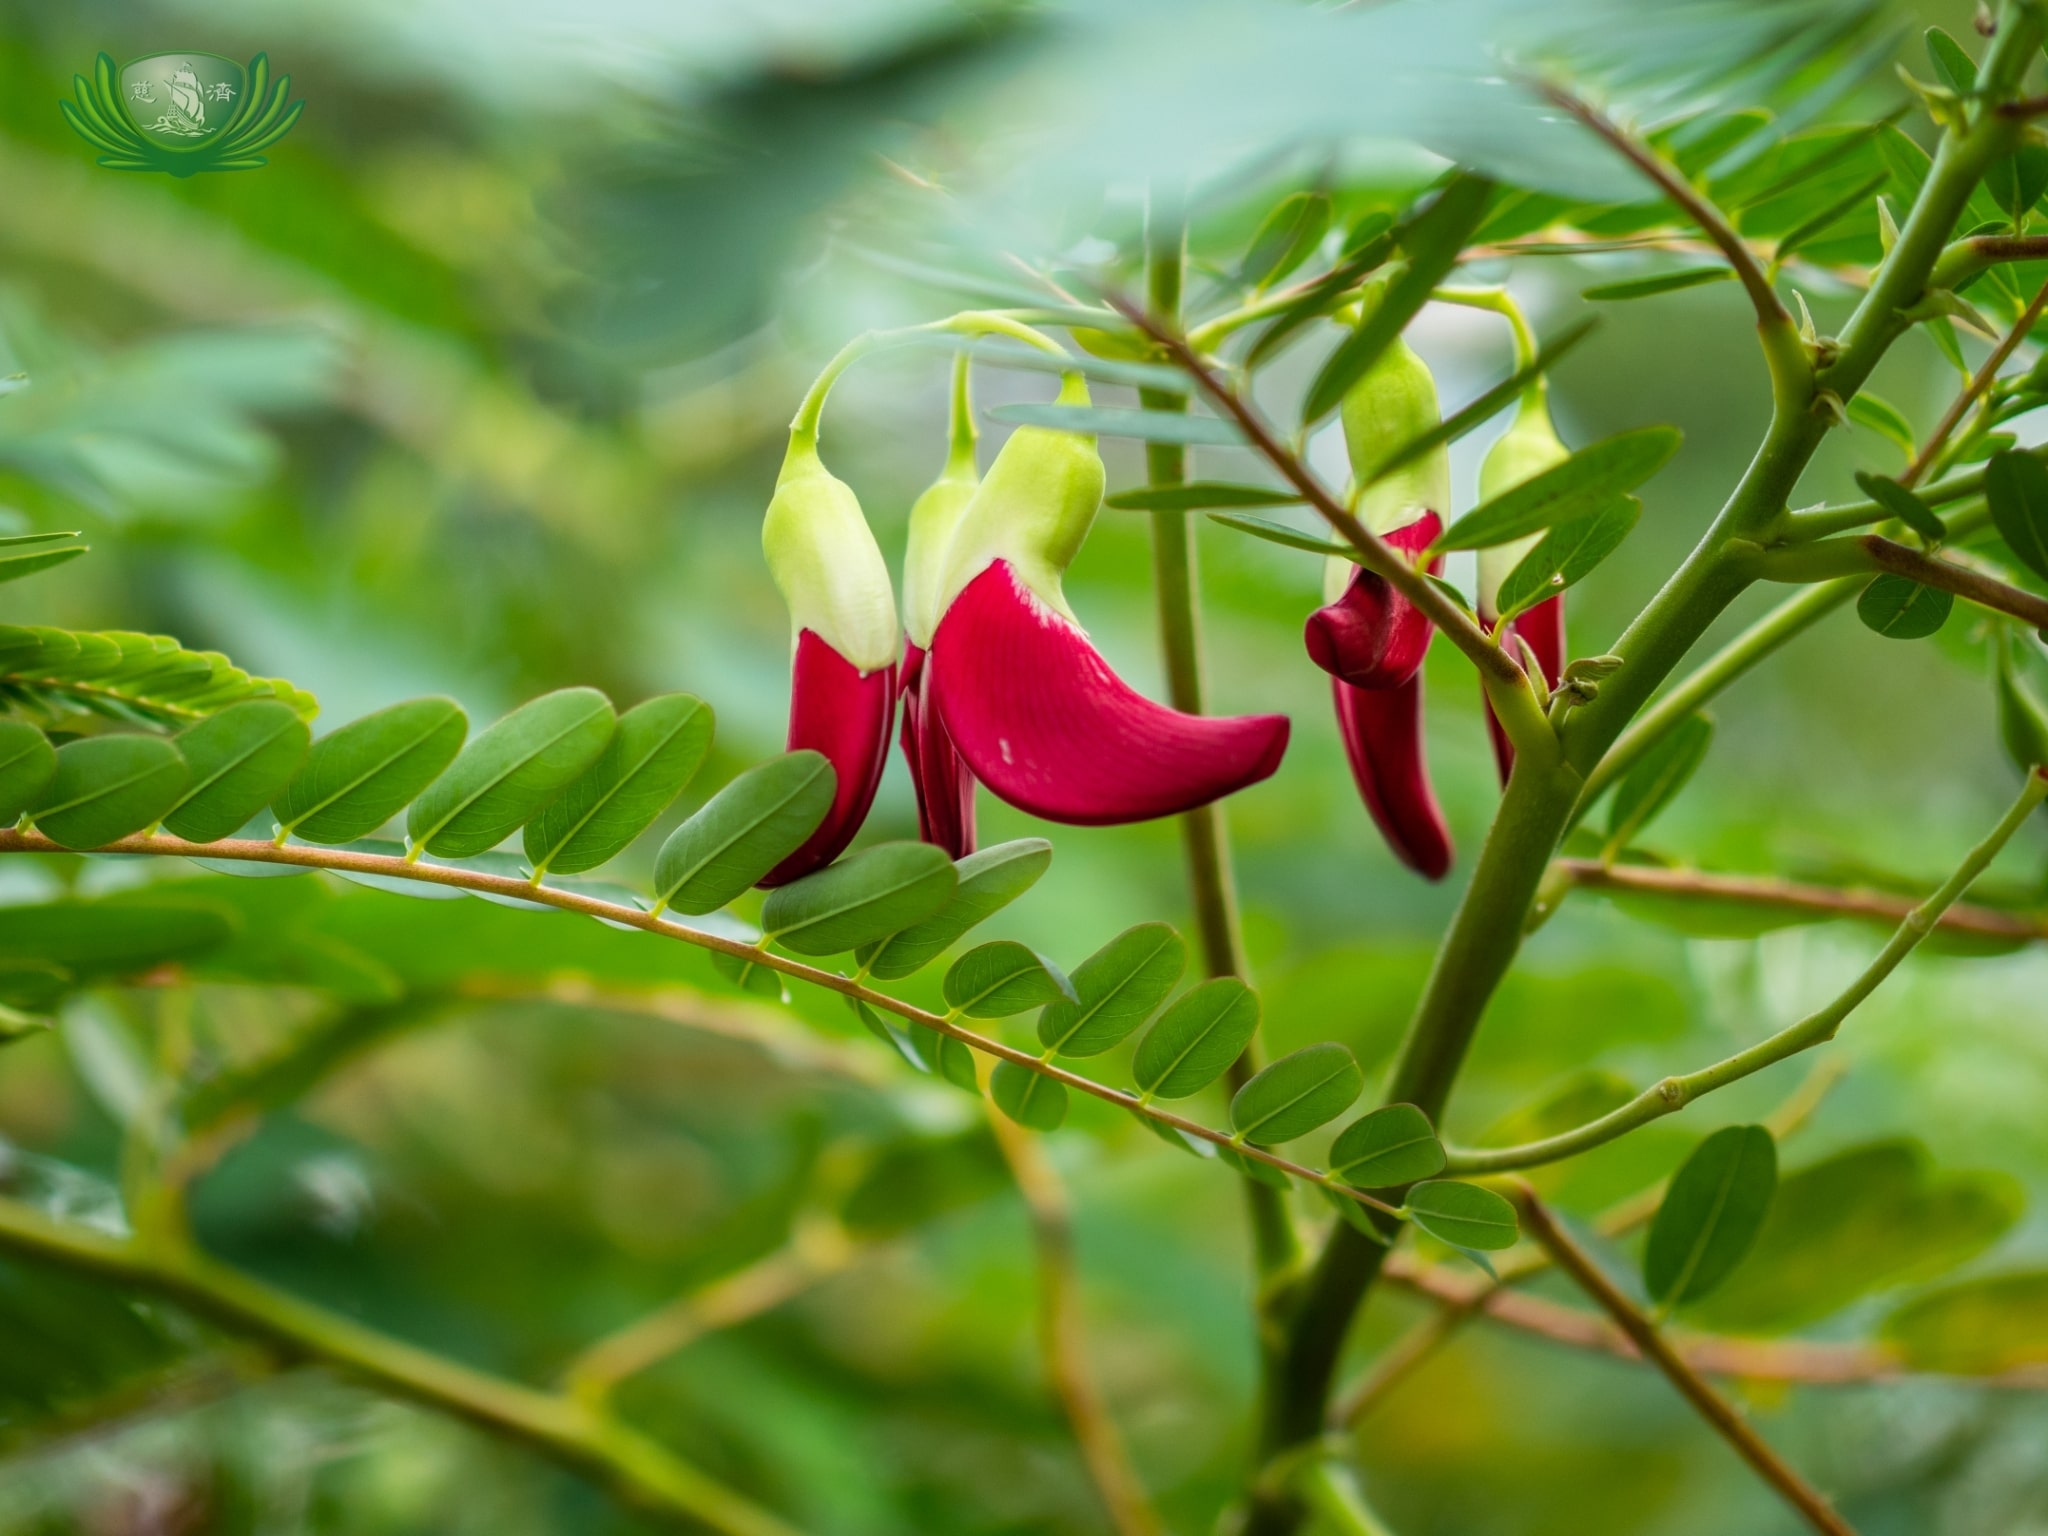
1528,447
825,561
1032,509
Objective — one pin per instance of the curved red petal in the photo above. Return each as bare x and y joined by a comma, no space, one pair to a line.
1543,627
1042,720
837,709
1372,637
1382,731
944,784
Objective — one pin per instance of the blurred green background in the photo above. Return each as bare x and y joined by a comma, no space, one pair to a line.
477,389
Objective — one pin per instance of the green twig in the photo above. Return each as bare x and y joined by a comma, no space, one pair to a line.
1674,1093
1651,1344
299,856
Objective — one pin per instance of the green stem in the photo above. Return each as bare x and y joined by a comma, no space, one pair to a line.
1205,839
1817,1028
1537,806
640,1470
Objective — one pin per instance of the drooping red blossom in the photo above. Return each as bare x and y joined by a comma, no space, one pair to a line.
1543,627
943,781
1371,636
1382,731
845,713
1039,717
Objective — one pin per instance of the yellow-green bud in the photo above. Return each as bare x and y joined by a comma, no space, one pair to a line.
1033,509
1393,404
1528,447
935,518
825,560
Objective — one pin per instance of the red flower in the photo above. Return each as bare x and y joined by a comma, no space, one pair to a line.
1372,641
844,640
1043,721
943,781
1010,679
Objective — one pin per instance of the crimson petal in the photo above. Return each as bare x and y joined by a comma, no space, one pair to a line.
944,783
1043,721
1543,627
1382,731
837,709
1372,637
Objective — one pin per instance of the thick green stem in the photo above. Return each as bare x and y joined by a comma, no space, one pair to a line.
1673,1093
1486,931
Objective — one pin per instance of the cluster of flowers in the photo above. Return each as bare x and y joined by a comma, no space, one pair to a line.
999,684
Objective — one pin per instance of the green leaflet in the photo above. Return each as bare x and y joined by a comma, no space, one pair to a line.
26,762
113,935
1654,779
2016,487
1197,1039
1899,608
2022,718
1661,282
1297,1093
1432,242
1711,1214
1833,1234
240,759
1366,246
1951,61
739,834
15,564
362,775
1279,533
1584,485
749,975
106,787
656,751
989,879
511,772
862,898
2016,181
1253,1168
1896,499
1393,1145
1115,991
1979,1327
946,1056
1463,1215
1003,978
1112,421
1030,1098
1199,493
1887,421
128,675
1288,236
1565,555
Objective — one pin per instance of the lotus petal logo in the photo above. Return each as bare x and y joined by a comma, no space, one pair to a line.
182,113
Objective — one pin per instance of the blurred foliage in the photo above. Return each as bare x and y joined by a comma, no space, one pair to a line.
478,389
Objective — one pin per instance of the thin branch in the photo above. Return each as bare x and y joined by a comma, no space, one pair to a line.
1674,1093
1949,576
1769,891
300,856
1061,1340
1374,552
1770,310
1714,1408
1980,381
1461,1297
815,1252
642,1471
